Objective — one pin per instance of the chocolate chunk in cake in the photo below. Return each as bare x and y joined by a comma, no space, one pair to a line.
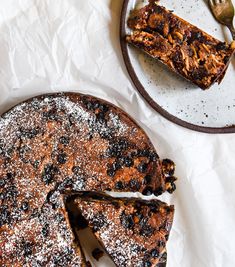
97,254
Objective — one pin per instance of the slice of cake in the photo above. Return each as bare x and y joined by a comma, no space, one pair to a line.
181,46
134,232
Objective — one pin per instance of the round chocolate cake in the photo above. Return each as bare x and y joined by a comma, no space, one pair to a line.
57,145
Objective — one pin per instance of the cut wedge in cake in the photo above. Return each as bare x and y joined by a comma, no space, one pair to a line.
61,144
133,232
181,46
71,142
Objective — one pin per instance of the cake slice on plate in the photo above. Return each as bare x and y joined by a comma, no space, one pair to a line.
133,232
181,46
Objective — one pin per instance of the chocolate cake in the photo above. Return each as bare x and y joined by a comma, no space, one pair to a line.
134,232
56,145
181,46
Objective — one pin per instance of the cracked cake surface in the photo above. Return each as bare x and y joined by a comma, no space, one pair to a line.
59,144
181,46
134,232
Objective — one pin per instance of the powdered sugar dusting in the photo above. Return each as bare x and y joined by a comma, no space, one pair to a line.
45,240
120,126
117,243
64,143
133,232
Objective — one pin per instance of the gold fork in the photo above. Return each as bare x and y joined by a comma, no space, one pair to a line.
223,11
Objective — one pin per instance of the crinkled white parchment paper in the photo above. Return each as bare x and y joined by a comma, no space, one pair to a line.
73,45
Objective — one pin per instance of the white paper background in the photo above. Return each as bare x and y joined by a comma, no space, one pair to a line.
64,45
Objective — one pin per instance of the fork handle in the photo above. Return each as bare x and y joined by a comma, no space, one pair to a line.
232,30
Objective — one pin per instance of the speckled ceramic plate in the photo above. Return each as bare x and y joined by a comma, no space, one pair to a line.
211,111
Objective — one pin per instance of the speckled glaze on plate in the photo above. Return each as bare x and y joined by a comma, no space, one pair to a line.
210,111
